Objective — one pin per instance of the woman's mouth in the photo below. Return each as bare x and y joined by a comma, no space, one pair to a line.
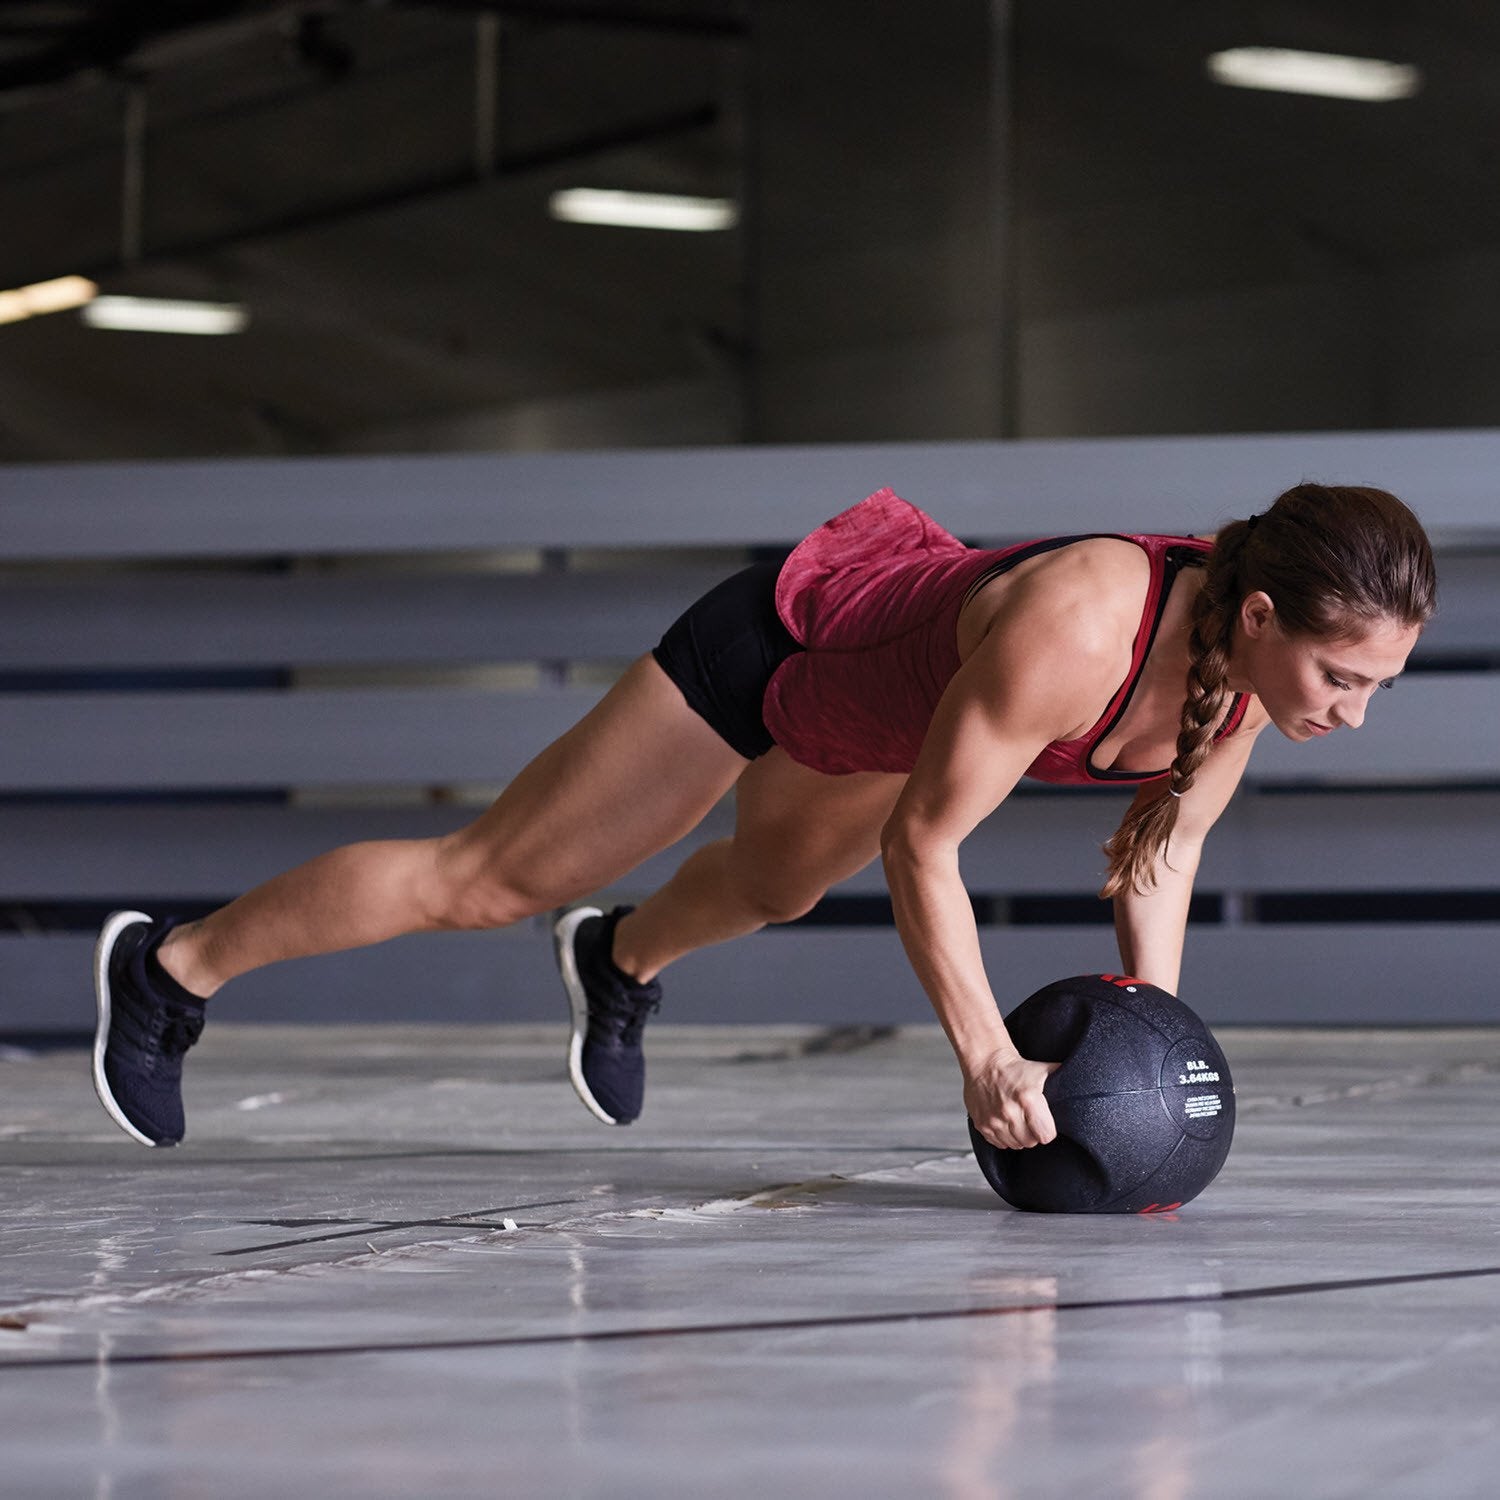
1318,728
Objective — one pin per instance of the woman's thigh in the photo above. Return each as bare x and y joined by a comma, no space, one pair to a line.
799,831
631,777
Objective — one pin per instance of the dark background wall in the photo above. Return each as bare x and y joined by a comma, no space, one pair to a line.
968,220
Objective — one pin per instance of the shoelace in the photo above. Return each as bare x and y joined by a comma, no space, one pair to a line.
647,1006
172,1029
628,1010
181,1030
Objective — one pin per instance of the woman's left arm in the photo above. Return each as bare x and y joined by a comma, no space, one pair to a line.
1150,926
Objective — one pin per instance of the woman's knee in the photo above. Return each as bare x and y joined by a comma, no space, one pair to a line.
779,899
472,889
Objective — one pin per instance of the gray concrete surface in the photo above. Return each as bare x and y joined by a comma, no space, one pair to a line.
788,1278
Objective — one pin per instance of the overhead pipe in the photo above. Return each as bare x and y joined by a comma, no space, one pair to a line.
486,93
133,175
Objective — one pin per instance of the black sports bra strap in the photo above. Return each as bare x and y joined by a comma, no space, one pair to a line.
1024,554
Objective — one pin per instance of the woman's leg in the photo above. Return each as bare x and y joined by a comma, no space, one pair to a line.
633,776
796,833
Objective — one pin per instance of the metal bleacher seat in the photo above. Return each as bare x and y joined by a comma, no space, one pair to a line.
197,690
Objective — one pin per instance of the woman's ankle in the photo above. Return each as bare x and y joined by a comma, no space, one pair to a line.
632,960
179,955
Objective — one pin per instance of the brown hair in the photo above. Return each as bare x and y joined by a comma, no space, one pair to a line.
1333,559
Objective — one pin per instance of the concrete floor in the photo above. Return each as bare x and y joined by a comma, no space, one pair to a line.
789,1278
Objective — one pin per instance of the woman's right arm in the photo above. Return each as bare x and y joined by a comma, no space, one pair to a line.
1021,688
1002,1090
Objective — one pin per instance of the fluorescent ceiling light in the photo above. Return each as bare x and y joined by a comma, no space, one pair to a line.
1322,73
642,210
161,315
46,297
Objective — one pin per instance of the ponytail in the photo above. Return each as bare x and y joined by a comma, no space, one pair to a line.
1147,829
1334,560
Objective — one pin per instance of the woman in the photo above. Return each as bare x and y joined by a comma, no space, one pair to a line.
879,693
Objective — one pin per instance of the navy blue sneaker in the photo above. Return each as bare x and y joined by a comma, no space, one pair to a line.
141,1034
605,1060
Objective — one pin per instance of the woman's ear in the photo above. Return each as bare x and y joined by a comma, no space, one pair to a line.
1257,613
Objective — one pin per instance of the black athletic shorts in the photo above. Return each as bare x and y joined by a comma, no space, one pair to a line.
722,651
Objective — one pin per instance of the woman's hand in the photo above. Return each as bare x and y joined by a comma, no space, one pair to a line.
1004,1099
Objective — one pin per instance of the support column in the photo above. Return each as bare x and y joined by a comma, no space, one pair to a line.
884,159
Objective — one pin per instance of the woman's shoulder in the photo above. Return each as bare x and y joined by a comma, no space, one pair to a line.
1093,589
1071,615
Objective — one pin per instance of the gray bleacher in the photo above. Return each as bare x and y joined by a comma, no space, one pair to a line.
191,703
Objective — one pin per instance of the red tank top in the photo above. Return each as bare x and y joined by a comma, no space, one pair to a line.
873,597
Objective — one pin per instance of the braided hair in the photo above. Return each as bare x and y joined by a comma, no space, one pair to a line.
1334,560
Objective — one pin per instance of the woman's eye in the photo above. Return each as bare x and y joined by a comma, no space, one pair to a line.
1343,686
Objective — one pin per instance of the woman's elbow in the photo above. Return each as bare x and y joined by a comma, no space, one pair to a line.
895,839
905,845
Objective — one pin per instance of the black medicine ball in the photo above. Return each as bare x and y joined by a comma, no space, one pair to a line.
1143,1101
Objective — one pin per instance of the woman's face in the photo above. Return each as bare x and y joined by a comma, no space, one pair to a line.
1311,686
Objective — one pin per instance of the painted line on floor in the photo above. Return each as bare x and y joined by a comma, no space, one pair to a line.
185,1160
767,1325
474,1220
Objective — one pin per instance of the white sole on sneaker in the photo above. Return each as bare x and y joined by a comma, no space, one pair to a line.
563,931
109,935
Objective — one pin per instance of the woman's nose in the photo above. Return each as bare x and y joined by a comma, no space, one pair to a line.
1351,711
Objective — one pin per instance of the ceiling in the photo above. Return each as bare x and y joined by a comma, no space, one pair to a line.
330,165
319,163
